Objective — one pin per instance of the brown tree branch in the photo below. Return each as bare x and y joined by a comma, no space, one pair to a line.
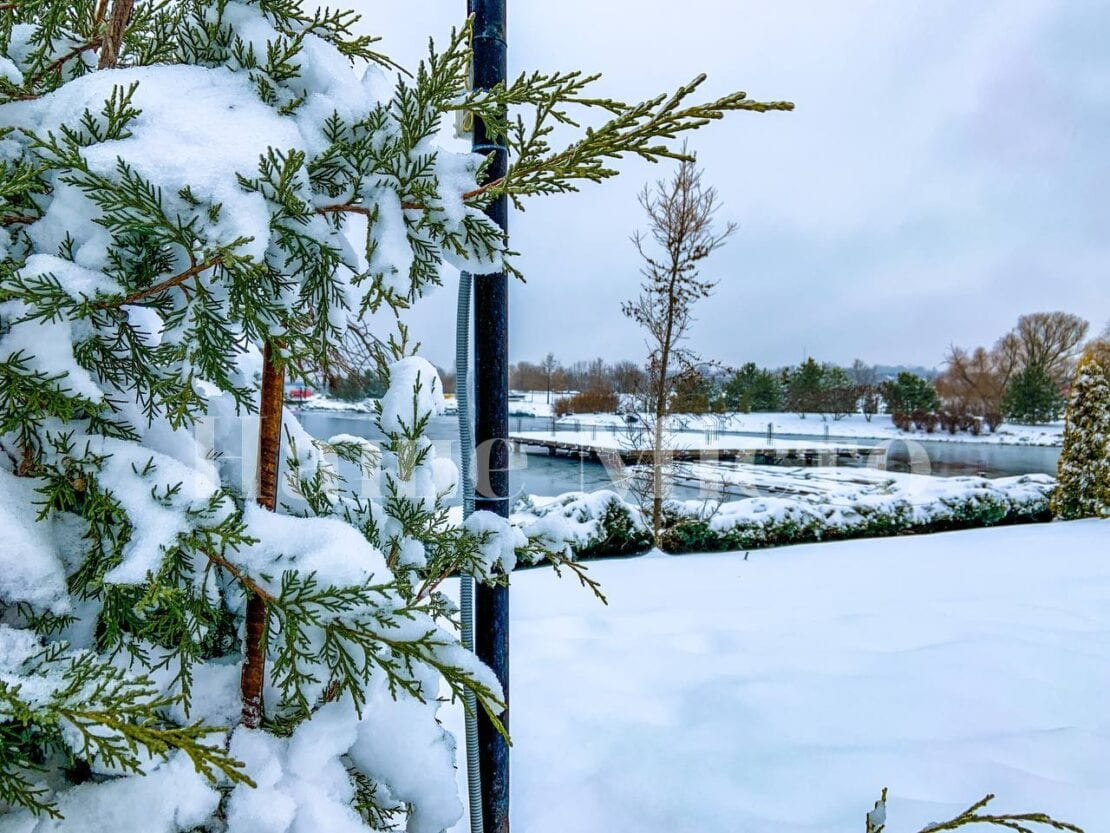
354,208
98,15
240,576
110,45
168,283
18,219
56,65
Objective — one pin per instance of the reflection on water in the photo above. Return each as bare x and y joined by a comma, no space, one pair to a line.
986,459
534,472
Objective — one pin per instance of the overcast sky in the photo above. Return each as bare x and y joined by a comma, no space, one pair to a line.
947,169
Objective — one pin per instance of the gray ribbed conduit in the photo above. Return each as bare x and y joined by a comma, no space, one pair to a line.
466,583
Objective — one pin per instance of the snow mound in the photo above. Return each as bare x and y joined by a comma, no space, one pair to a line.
33,571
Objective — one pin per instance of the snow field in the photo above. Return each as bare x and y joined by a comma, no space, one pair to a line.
782,692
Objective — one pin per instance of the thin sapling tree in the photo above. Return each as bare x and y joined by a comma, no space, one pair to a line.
682,233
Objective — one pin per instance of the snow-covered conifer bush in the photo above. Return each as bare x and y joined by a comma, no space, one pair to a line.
203,625
1083,473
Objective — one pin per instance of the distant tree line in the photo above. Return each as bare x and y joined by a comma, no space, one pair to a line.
554,378
1023,377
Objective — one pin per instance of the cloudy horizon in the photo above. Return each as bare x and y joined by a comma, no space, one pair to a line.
944,172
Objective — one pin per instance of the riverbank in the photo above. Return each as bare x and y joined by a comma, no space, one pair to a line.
885,504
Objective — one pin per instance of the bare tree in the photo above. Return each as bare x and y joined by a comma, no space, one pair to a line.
628,377
975,381
862,373
865,378
1050,340
354,359
550,365
527,376
597,374
681,234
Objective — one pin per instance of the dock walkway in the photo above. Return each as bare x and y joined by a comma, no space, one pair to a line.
633,448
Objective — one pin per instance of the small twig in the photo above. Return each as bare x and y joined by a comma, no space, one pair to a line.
1014,821
354,208
1018,822
430,586
489,186
345,208
559,562
245,580
168,283
18,219
56,66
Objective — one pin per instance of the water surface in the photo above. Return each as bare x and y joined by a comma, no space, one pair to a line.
535,472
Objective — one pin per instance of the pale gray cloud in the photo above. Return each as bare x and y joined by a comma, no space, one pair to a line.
946,170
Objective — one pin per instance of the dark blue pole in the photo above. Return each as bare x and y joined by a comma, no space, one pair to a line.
491,422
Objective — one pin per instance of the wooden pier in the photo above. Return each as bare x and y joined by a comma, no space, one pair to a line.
726,449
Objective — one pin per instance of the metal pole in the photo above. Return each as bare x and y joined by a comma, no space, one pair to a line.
491,422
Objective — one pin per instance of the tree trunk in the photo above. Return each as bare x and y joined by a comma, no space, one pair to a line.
657,478
661,409
269,456
113,35
657,449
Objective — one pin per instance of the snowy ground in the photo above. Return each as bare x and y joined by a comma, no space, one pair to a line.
526,403
850,427
783,692
532,403
319,402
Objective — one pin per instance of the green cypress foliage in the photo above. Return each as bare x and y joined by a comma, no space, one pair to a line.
908,393
1083,473
1032,396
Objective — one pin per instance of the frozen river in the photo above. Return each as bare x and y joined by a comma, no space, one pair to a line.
537,473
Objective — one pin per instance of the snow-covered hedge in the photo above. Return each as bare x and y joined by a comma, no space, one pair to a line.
953,503
601,524
584,525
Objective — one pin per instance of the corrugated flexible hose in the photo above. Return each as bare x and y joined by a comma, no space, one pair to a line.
466,582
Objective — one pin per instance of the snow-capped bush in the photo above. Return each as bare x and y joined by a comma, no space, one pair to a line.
1084,466
584,525
600,524
950,503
